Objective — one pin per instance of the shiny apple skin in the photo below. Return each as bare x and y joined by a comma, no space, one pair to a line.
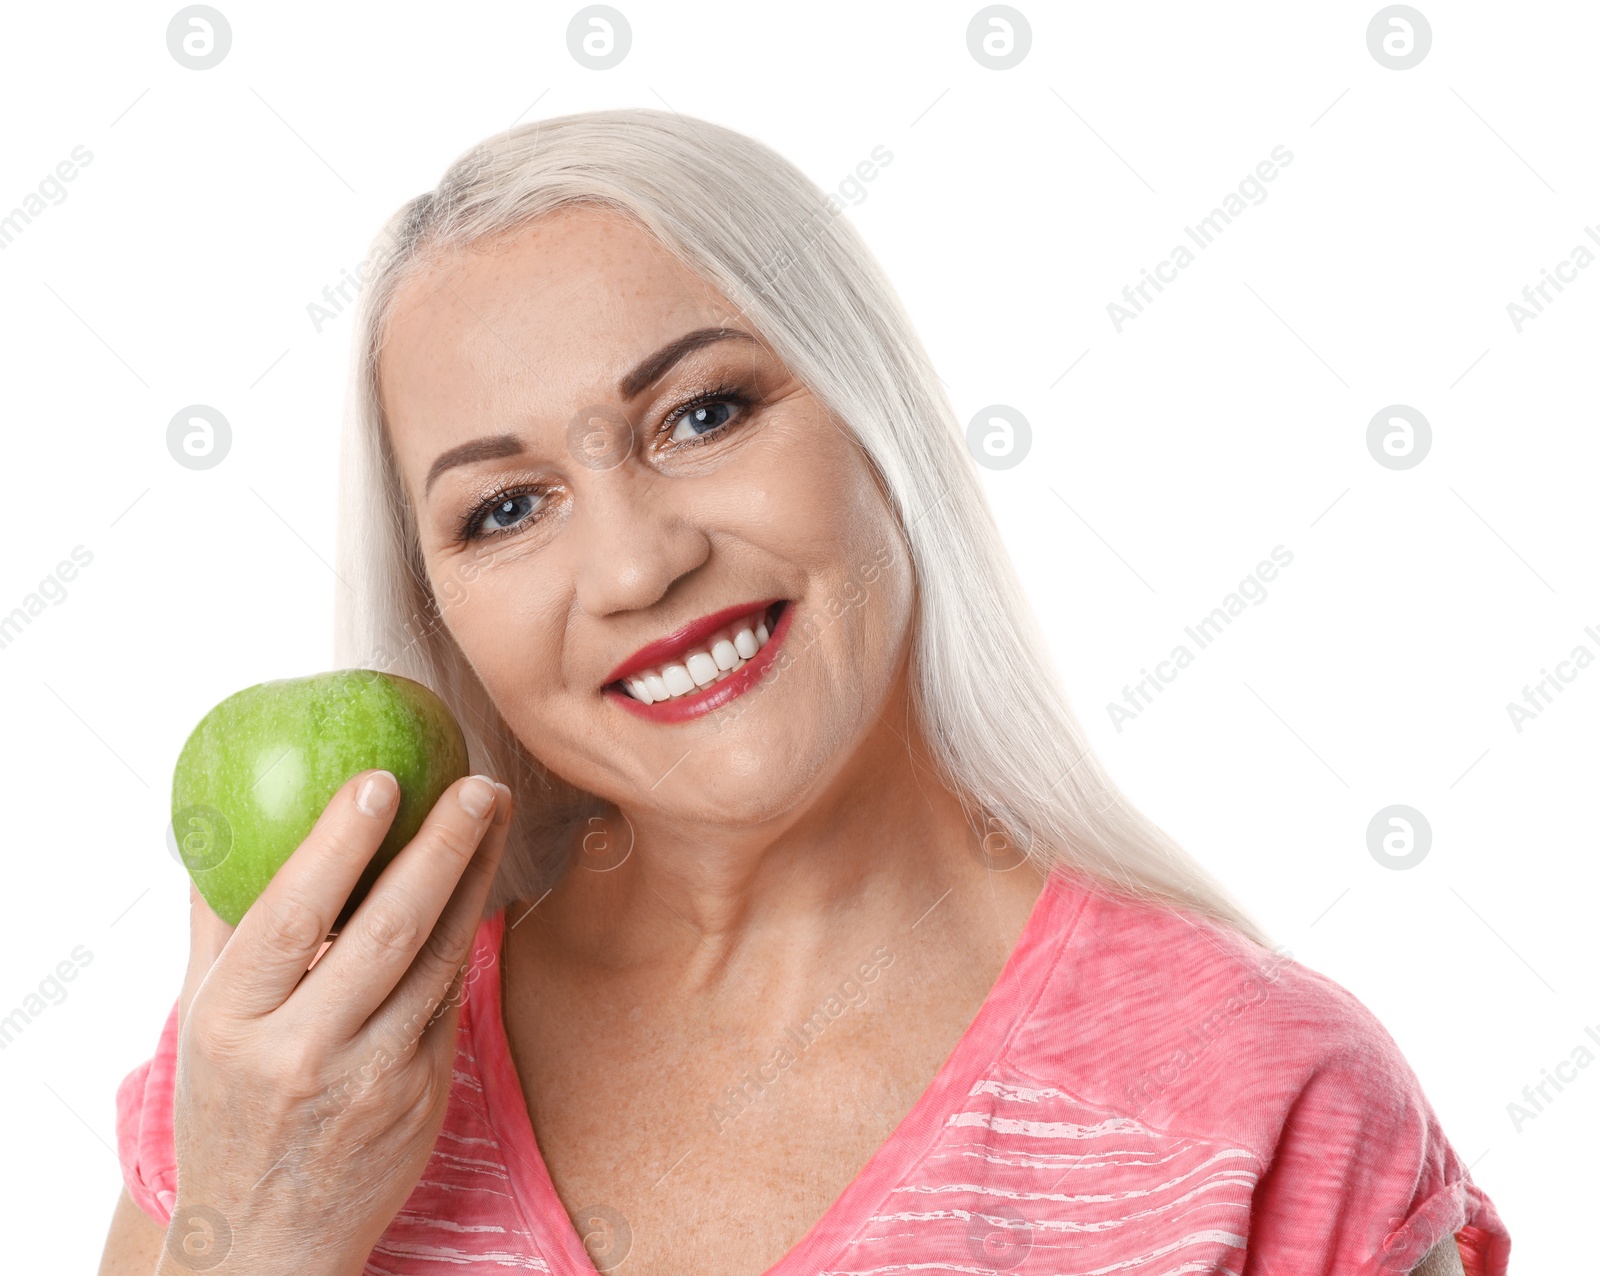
255,774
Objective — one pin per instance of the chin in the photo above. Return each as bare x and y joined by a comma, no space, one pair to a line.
756,774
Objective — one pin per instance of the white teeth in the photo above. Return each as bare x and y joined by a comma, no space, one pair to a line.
721,656
640,691
702,668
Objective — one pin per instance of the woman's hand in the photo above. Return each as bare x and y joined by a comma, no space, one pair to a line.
307,1102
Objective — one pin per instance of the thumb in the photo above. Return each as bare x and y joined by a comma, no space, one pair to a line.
208,935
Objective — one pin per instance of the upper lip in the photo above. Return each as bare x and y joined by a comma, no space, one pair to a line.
663,649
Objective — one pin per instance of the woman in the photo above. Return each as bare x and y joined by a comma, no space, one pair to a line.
815,938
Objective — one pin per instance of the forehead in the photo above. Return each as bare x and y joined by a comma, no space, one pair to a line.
538,322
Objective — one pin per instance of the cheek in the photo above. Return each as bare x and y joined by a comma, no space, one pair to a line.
858,614
826,515
882,605
506,622
809,494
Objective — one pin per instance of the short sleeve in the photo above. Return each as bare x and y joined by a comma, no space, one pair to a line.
1362,1181
144,1127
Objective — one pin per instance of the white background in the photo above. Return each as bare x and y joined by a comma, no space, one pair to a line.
1228,418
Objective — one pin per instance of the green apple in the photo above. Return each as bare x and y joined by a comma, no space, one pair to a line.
256,773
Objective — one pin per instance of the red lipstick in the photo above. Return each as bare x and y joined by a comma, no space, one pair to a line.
665,649
714,695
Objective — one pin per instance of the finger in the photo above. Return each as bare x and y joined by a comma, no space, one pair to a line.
424,1005
397,918
208,935
280,933
436,1050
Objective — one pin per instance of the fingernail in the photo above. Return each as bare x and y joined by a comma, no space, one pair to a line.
503,812
477,796
377,793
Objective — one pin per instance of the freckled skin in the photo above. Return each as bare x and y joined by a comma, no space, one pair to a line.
776,843
519,340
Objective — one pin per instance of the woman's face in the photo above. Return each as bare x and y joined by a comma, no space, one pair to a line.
587,484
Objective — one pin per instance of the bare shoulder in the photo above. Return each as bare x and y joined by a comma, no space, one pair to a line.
1444,1259
133,1245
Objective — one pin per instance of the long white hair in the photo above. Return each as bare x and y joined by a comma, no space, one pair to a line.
742,217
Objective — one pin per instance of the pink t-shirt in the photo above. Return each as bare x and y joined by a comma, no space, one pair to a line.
1142,1092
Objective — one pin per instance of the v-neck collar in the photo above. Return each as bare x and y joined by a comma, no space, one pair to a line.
1018,987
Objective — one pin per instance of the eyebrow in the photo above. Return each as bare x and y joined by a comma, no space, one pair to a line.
486,449
632,384
656,366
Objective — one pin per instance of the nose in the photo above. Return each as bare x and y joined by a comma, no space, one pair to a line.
633,538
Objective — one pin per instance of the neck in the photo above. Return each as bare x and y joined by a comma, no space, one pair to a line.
880,843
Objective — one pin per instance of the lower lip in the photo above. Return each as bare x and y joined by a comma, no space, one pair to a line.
709,699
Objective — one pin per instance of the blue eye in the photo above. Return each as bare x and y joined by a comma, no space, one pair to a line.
705,415
503,513
701,421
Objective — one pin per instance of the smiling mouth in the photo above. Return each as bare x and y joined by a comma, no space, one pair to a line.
705,663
